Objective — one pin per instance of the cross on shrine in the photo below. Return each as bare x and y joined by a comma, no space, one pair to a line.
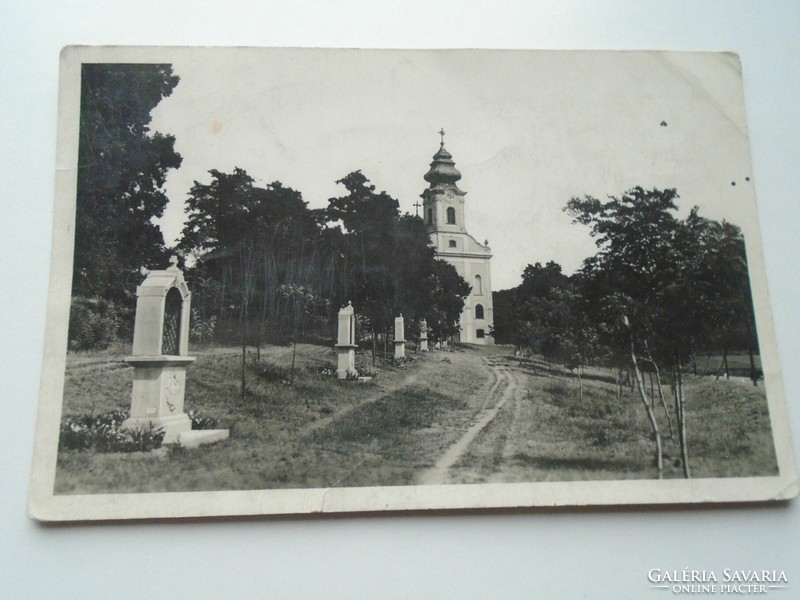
416,206
441,133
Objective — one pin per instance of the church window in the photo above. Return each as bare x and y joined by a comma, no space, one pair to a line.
451,216
479,311
430,216
452,243
481,334
477,288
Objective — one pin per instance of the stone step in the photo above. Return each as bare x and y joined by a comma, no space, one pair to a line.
200,437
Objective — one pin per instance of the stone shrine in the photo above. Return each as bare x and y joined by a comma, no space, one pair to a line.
160,358
399,338
423,336
346,343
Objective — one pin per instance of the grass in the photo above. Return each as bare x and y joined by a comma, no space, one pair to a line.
322,432
554,436
318,433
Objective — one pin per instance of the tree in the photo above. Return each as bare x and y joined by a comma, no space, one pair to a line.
369,221
306,307
122,168
251,240
628,282
389,263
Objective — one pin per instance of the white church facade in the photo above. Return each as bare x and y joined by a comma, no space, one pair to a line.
444,214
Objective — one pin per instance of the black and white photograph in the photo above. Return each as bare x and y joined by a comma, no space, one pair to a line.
218,256
318,280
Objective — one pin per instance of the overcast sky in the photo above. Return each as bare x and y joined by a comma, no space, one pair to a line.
528,130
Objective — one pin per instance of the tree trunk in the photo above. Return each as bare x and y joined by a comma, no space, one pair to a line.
291,373
650,414
660,389
725,359
750,352
244,361
374,347
682,423
663,400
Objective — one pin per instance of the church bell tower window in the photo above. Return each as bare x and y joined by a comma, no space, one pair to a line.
479,311
477,289
451,216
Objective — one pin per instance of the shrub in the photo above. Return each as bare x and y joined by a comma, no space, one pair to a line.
270,372
104,433
94,323
365,371
201,422
202,330
324,371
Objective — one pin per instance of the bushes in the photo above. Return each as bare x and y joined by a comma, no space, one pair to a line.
323,371
104,433
94,323
201,330
202,422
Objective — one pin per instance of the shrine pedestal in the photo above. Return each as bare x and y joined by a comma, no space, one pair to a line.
159,383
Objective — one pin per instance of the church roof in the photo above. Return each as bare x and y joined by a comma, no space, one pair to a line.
443,168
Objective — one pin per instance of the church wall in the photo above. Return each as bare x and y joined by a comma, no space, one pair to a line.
467,268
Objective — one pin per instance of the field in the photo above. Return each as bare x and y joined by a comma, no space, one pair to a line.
472,415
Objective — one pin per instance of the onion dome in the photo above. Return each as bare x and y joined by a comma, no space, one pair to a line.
443,168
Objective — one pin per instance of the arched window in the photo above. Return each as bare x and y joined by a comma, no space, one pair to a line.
451,216
430,216
477,287
479,311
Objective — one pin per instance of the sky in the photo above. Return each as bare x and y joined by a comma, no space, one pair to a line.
528,130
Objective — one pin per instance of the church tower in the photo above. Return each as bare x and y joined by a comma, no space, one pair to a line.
444,214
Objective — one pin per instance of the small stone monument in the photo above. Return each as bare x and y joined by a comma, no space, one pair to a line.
399,338
423,336
160,358
346,343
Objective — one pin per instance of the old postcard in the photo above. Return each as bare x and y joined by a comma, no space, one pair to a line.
292,281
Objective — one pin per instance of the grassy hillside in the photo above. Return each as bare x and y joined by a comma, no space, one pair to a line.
321,432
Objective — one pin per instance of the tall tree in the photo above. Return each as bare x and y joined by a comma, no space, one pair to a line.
246,237
122,168
626,283
391,264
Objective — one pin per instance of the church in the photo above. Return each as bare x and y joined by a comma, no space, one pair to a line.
444,214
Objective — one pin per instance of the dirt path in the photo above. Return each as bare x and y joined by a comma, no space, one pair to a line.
384,391
506,387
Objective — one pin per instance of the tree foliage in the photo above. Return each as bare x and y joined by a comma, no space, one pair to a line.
661,286
122,168
658,290
392,266
251,246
